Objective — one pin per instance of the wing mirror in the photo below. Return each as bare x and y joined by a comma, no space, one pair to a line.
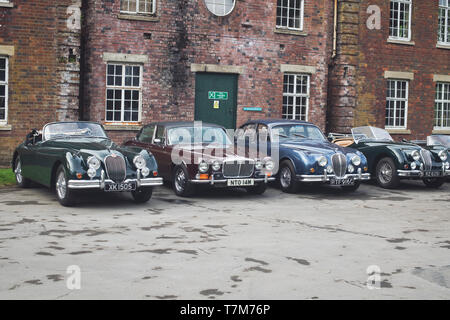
158,141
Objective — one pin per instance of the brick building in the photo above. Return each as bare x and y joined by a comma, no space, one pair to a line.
39,67
403,45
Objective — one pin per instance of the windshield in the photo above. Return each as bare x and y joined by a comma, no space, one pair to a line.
205,135
439,140
297,131
371,133
73,129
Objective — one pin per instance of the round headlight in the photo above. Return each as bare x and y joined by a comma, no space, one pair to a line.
356,160
216,165
415,155
413,166
145,172
258,165
322,161
203,167
351,168
92,173
93,163
443,155
269,164
139,162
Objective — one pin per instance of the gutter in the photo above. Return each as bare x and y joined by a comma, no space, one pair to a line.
335,29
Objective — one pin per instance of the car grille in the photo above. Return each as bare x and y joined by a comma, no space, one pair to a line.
427,160
238,169
339,162
116,168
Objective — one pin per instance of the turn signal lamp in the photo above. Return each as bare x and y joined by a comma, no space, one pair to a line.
79,175
204,177
155,173
312,170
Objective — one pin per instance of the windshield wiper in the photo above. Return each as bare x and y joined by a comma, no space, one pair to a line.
281,135
298,135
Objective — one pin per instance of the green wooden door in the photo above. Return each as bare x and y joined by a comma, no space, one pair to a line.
216,98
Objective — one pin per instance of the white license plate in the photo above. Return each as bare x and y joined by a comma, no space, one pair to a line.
431,174
240,182
120,187
342,182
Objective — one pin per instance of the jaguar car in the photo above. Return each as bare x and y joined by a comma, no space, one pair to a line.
392,161
304,154
76,156
190,154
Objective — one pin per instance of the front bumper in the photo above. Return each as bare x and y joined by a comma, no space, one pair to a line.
225,181
100,184
359,176
421,174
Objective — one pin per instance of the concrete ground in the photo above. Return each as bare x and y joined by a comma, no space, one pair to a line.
317,244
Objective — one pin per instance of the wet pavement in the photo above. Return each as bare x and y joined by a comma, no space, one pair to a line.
317,244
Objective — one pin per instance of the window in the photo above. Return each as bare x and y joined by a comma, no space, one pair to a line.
220,7
3,89
138,6
296,96
397,104
147,133
442,106
444,22
290,14
123,93
400,21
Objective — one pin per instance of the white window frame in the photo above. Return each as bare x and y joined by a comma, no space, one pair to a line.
153,11
6,84
396,100
302,15
123,88
296,95
410,4
441,100
446,34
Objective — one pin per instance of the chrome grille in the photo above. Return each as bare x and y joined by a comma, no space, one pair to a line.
339,162
238,169
427,160
116,168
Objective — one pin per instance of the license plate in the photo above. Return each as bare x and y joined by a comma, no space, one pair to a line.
429,174
241,182
120,187
342,182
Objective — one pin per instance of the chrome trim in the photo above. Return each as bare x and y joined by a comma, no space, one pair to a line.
339,164
214,182
420,173
122,165
427,159
328,177
100,184
238,162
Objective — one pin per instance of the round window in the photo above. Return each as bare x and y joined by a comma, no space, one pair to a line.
220,7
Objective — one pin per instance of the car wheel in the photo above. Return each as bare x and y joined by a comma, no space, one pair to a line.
434,182
22,182
142,195
181,184
386,174
286,177
258,189
352,188
63,193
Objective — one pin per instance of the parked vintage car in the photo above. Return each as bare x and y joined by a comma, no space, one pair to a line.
72,156
392,161
305,155
191,154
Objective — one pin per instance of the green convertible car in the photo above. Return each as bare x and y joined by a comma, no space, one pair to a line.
70,156
391,161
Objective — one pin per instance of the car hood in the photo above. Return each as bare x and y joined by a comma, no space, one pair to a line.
404,146
209,152
314,147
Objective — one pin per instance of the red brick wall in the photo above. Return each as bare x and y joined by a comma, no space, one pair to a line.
37,89
188,33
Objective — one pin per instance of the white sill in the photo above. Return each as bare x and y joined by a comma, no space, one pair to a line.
400,41
7,4
122,127
443,46
5,127
441,131
398,131
295,32
152,17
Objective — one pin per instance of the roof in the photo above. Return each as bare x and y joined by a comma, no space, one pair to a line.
278,121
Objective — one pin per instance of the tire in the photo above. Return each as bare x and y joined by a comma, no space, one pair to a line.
352,188
286,177
181,184
142,195
21,181
258,189
434,183
63,193
386,174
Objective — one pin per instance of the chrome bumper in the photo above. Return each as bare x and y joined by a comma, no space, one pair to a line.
224,181
419,173
327,177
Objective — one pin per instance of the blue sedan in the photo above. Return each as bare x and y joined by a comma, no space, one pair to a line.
304,154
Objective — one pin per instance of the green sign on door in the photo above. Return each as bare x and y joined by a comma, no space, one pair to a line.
216,95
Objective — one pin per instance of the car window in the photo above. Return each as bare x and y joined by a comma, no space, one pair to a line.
263,132
147,134
160,133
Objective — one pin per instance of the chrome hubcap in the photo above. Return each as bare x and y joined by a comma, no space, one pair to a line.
180,180
285,177
18,172
61,187
386,173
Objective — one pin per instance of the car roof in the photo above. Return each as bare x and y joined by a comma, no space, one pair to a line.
174,124
272,122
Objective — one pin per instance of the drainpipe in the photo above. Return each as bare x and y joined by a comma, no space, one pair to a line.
335,29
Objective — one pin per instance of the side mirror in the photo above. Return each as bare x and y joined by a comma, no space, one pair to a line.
158,141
